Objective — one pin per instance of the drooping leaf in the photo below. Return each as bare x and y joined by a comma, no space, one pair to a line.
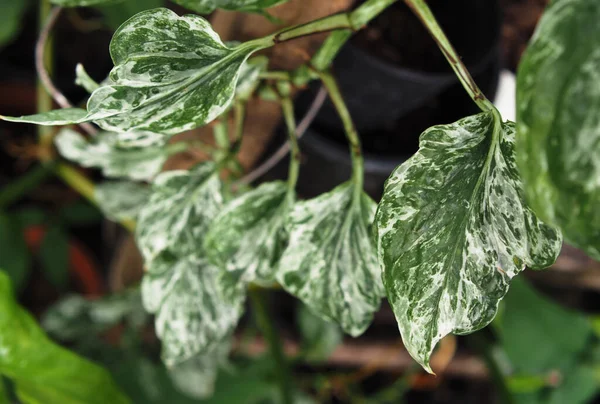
453,228
319,337
177,214
527,321
42,371
11,13
15,258
104,152
83,79
330,262
54,256
208,6
558,125
248,236
194,313
121,200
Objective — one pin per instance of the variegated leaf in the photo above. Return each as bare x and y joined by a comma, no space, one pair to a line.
208,6
138,164
330,262
171,74
121,200
558,125
453,228
194,313
179,211
248,236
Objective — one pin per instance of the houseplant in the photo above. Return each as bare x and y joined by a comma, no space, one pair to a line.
452,228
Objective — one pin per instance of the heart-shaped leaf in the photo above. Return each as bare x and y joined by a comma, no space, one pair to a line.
558,125
248,236
330,262
453,228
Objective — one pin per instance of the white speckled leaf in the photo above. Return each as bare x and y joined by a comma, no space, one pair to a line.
558,125
452,229
330,262
171,74
208,6
248,236
121,200
194,314
104,152
180,209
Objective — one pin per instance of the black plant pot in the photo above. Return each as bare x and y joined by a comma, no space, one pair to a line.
393,105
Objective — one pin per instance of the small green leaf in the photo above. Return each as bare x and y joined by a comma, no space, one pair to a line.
121,200
138,164
248,236
194,313
558,124
528,320
319,337
84,80
180,208
54,256
330,263
42,371
208,6
11,12
14,255
453,228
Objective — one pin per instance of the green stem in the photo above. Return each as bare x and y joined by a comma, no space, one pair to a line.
83,186
482,345
422,10
290,121
24,184
239,111
44,102
270,333
221,133
351,133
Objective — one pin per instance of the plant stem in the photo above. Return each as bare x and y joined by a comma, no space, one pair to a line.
239,111
290,121
422,10
84,186
221,133
270,333
351,133
22,185
482,345
44,102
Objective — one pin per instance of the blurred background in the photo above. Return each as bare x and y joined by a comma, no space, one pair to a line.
64,257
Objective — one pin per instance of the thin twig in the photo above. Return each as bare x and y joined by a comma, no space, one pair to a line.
285,148
44,76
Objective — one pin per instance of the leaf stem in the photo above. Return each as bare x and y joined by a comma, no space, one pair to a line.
287,106
22,185
275,344
351,133
422,10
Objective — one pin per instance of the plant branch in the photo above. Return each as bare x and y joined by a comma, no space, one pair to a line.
288,113
351,133
422,10
275,344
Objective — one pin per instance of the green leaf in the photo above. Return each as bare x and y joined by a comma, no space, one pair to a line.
330,263
14,255
84,80
208,6
104,152
42,371
80,213
558,130
248,236
319,337
29,216
54,256
180,208
11,12
83,3
121,200
528,320
66,116
194,312
452,229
